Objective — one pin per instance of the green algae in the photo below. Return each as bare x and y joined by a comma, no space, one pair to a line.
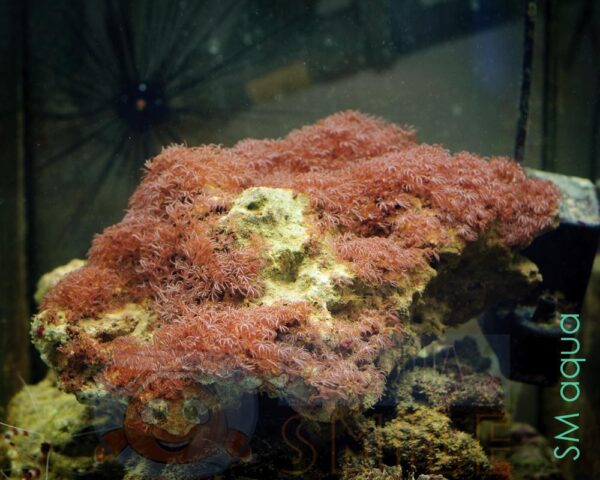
51,421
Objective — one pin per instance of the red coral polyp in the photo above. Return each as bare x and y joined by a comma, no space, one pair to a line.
86,292
384,205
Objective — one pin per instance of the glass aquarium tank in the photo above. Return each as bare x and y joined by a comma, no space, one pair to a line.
321,239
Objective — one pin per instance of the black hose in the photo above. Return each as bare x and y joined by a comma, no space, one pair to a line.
526,74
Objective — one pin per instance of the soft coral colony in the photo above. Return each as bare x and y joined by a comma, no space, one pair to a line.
295,266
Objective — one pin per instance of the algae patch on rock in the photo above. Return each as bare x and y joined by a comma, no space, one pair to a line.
53,437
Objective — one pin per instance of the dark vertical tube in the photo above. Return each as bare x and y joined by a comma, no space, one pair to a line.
549,131
14,311
526,73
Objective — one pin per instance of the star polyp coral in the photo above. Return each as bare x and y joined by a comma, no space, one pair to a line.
292,266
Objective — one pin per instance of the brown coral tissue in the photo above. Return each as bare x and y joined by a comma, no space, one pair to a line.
377,201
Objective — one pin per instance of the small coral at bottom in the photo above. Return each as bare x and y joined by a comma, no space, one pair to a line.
424,439
49,435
